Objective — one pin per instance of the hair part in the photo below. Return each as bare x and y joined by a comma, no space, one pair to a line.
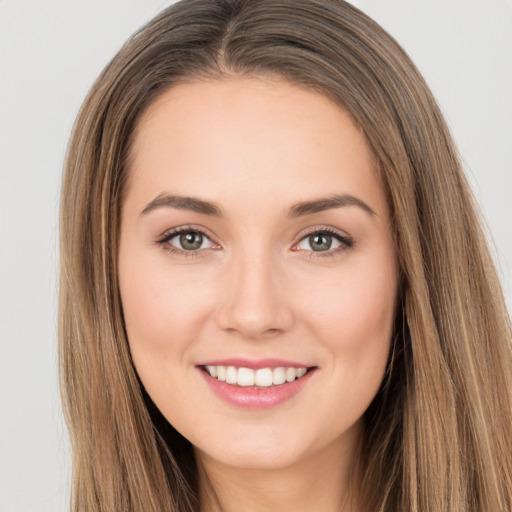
439,431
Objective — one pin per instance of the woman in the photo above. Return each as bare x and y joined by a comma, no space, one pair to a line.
275,292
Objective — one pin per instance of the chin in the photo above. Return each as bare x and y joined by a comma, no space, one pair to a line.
260,456
274,449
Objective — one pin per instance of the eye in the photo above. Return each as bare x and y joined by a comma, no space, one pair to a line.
324,241
186,240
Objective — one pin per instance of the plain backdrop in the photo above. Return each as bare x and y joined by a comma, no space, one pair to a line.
50,53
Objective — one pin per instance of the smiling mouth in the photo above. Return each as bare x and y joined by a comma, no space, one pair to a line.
261,378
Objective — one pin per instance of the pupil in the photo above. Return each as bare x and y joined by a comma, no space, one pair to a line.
191,241
320,242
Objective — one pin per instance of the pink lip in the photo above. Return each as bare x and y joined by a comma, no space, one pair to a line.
256,398
254,364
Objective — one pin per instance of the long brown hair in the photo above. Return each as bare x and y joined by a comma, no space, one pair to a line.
439,432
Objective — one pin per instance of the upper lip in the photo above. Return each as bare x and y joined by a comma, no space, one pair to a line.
255,364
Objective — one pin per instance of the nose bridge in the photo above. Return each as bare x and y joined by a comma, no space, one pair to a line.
255,304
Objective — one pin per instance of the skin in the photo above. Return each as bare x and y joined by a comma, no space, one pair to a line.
257,146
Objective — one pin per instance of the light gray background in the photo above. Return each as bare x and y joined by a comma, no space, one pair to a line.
51,51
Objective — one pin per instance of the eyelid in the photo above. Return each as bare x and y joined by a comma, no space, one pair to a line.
169,234
347,242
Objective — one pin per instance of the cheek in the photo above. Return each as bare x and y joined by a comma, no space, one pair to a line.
162,309
359,303
353,318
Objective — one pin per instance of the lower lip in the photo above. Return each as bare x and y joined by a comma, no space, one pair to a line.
256,398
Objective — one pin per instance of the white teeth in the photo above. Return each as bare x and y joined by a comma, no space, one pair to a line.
301,372
278,376
245,377
290,374
231,375
221,372
263,377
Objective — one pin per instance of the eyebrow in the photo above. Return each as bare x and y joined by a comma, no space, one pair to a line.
183,203
320,205
197,205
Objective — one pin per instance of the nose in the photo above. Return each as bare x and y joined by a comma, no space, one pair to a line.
255,303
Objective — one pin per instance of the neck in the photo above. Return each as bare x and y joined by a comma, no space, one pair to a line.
327,481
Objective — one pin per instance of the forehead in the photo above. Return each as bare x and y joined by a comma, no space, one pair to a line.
240,134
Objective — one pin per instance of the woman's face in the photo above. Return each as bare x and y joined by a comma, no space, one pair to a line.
255,246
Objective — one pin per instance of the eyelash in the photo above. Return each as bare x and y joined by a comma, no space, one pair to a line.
163,241
346,241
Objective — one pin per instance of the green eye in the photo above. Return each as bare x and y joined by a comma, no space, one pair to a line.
320,242
191,241
324,241
186,241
